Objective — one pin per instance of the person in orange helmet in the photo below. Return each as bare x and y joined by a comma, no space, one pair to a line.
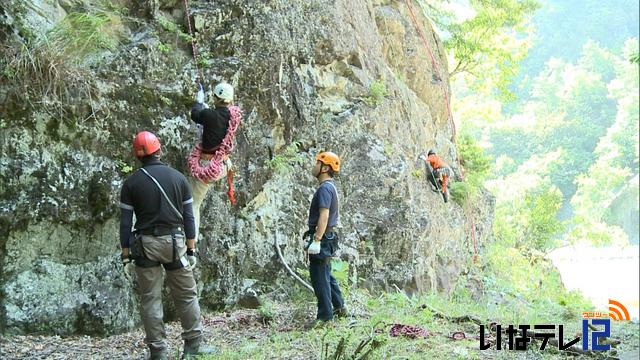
438,173
323,239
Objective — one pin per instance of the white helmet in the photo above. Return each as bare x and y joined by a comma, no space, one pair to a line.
224,91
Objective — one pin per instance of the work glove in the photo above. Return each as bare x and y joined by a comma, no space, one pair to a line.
307,238
200,94
191,257
127,266
314,248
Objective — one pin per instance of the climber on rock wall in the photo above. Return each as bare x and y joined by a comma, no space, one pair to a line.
209,160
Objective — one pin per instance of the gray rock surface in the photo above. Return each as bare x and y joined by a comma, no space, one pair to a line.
303,72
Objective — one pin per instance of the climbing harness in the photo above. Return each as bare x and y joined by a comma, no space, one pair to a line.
436,69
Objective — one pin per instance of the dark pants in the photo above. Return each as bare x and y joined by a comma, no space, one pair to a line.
324,284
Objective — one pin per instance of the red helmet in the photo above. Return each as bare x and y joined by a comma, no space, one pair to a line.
145,143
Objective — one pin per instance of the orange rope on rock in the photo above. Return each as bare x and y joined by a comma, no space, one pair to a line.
193,41
436,69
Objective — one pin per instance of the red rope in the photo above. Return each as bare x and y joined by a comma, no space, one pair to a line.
436,69
193,41
231,193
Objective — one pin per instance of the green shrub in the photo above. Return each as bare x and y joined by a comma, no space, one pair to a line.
476,168
377,92
285,161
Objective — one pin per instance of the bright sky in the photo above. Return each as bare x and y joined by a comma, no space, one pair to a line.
601,273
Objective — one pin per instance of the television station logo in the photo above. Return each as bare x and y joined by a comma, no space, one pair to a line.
596,325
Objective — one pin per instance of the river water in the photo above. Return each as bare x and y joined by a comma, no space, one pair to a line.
601,273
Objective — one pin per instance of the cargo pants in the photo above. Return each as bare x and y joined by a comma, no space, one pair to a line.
183,288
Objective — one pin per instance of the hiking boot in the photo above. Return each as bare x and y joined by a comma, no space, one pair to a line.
194,347
317,324
158,354
340,312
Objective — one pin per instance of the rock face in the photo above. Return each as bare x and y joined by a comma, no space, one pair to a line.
350,76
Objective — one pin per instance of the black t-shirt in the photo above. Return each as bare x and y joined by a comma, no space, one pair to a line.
140,194
326,197
215,123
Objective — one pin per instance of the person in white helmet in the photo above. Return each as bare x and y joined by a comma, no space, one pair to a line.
214,121
214,124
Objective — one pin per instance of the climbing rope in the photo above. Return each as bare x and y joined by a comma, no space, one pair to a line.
284,262
194,50
436,69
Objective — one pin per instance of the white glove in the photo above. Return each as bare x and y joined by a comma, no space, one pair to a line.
191,257
128,271
192,261
314,248
200,95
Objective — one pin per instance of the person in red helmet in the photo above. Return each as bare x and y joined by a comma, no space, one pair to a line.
163,237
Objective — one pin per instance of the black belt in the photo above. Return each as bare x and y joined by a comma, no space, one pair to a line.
160,231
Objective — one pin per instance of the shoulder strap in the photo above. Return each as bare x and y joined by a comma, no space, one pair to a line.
163,193
334,189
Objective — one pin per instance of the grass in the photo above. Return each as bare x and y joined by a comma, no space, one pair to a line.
54,66
506,286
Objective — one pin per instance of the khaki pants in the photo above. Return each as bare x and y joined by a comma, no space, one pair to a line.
200,190
183,291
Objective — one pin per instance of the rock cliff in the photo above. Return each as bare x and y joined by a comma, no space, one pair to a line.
81,77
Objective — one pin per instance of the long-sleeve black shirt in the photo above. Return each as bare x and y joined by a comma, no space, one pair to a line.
215,123
141,195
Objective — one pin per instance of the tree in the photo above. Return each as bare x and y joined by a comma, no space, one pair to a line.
490,44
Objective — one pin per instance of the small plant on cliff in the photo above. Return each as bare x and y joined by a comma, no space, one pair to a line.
173,28
284,162
377,92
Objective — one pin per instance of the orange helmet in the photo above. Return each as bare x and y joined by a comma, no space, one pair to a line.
330,159
145,143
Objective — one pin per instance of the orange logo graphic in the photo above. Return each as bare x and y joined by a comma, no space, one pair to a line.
615,307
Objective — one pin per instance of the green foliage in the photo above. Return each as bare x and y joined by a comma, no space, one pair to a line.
172,28
564,26
55,64
83,34
528,283
266,310
164,48
489,45
124,167
284,162
377,93
542,207
476,167
204,59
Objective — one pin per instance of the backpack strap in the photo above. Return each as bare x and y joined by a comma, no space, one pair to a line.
163,193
